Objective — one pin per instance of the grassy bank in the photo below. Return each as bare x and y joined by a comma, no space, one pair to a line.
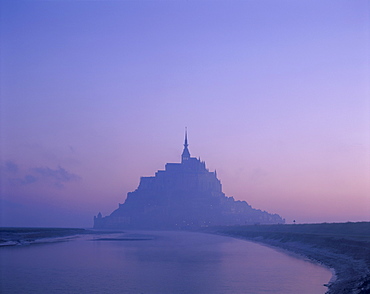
345,247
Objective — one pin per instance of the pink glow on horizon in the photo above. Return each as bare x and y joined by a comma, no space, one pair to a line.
94,95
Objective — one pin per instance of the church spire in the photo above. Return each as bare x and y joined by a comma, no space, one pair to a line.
185,154
186,138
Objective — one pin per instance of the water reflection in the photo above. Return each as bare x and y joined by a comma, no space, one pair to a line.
156,262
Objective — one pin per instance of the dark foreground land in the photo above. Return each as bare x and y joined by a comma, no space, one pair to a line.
344,247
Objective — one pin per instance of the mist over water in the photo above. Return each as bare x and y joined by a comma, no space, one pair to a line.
156,262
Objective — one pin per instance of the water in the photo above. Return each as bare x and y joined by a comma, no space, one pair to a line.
156,262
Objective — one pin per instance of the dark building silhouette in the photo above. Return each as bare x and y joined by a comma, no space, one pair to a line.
184,195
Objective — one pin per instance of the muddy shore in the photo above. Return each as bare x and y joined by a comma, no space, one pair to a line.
344,247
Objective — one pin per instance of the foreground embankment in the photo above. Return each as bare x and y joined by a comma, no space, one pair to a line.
344,247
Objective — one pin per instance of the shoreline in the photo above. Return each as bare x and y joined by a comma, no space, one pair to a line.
282,249
342,248
18,236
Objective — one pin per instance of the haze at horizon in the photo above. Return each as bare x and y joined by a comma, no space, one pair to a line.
95,94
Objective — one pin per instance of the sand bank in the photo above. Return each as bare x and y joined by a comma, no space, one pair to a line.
344,247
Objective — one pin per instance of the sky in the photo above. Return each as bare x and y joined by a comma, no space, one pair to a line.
275,95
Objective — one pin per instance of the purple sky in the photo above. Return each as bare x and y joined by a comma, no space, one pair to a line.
95,94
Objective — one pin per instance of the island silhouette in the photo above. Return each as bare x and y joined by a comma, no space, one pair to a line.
185,195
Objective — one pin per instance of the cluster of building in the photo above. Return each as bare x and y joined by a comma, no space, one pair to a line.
185,195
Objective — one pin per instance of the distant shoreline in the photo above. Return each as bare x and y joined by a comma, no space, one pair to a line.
344,247
18,236
15,236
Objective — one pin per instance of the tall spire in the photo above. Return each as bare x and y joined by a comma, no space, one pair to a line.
186,138
185,154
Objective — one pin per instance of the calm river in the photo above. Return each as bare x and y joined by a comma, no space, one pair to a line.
156,262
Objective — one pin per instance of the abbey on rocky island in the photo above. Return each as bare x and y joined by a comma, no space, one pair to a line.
185,195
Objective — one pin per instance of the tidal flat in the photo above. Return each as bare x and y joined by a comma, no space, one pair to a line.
343,247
